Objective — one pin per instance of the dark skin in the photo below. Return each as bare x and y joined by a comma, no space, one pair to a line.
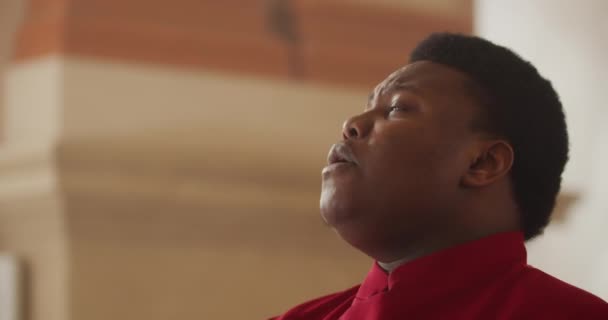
425,179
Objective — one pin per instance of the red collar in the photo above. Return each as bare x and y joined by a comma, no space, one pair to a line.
450,268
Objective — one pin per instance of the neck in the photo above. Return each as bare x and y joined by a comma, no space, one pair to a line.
391,264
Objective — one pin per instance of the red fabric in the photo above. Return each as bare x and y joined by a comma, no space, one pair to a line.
484,279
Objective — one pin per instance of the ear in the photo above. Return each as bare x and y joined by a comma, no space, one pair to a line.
491,161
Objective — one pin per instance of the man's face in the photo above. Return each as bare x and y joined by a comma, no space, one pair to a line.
395,176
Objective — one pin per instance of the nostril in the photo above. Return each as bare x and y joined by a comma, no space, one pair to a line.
352,133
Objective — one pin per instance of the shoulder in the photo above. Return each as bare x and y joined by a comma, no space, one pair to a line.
544,295
320,306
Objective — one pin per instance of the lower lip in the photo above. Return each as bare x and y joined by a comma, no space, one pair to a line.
337,166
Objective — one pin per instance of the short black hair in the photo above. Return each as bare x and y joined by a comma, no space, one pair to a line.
520,106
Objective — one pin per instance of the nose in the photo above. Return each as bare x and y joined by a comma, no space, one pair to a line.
356,127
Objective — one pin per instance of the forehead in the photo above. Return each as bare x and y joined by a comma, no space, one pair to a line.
425,76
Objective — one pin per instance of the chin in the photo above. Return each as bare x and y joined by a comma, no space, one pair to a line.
337,210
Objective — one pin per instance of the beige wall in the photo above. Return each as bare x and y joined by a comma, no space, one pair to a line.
11,12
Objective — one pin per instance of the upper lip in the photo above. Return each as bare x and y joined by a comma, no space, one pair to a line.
341,152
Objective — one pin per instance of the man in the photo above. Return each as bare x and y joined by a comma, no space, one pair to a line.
454,163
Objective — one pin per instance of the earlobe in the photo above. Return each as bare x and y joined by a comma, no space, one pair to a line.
492,162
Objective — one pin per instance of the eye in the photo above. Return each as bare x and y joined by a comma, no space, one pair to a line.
398,109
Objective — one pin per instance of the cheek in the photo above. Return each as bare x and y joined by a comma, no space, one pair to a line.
409,161
398,152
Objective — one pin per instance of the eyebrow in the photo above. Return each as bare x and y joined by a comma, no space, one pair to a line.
400,85
403,85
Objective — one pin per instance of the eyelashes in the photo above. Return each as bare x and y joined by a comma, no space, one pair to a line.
399,108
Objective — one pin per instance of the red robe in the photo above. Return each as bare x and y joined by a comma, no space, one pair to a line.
483,279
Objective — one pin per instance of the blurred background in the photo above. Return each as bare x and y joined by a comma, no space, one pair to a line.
161,159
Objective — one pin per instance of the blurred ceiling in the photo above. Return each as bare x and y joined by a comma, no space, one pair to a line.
336,42
449,7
